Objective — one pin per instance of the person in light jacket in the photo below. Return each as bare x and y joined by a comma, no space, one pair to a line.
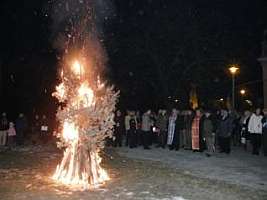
146,128
127,127
11,135
255,128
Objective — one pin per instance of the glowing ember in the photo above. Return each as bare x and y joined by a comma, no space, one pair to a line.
70,132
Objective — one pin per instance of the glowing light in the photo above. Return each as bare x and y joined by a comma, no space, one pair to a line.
233,69
60,91
77,68
70,132
86,94
242,92
79,168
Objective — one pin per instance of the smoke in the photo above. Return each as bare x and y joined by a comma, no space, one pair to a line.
78,24
71,12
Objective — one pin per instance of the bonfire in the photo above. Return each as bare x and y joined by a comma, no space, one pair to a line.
87,105
86,119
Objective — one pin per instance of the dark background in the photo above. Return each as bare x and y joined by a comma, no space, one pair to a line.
156,48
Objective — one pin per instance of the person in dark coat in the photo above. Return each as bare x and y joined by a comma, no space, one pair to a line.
161,125
208,130
44,130
4,125
264,132
36,130
244,129
224,132
133,133
188,118
118,129
21,127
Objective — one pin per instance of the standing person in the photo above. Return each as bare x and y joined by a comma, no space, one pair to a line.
161,125
118,129
236,130
264,132
21,127
44,129
127,127
244,128
225,129
36,130
209,133
3,129
146,128
132,133
196,137
139,129
11,135
154,131
255,128
183,129
173,131
188,118
180,126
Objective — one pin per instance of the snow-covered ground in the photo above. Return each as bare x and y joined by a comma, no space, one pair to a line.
137,174
239,167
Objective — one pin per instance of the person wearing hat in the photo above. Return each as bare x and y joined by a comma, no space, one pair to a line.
3,129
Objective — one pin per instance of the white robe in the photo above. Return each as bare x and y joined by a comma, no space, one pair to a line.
171,130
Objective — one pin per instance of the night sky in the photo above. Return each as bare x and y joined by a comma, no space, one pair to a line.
156,49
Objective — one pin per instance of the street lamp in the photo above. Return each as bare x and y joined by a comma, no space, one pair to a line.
233,70
242,92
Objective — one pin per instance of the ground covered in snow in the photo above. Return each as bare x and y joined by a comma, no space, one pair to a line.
155,174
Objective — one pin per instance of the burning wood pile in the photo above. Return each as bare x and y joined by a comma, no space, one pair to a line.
87,108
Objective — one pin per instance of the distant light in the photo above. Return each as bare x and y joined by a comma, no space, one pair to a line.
233,69
249,102
169,97
221,99
242,92
176,100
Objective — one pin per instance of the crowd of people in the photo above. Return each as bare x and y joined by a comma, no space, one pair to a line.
197,130
20,131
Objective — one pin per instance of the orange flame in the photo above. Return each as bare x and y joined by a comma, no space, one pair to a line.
77,68
70,171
